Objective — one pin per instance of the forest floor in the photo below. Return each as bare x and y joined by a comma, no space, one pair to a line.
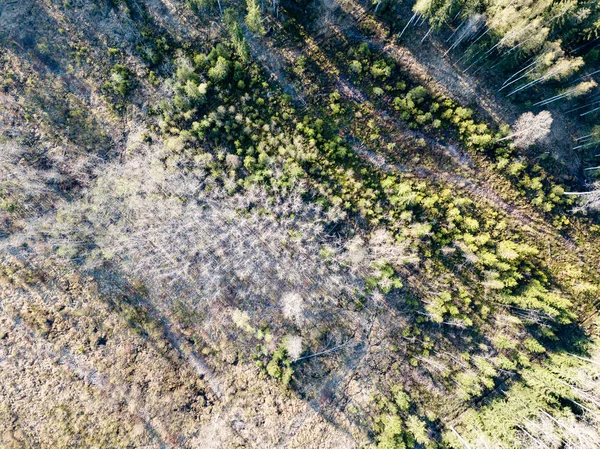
105,357
452,164
440,72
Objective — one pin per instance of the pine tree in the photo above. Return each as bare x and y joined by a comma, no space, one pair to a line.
237,37
220,70
253,18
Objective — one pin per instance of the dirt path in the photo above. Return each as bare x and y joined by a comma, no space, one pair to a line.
463,172
440,74
275,59
431,69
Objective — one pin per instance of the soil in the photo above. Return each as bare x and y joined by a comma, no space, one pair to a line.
441,74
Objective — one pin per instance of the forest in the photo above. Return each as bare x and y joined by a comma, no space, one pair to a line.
300,224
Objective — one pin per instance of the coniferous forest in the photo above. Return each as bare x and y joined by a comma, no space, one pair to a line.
300,224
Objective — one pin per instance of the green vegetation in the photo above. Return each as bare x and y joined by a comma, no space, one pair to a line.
223,218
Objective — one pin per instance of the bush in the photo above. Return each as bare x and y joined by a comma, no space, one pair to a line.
220,70
120,80
380,69
356,67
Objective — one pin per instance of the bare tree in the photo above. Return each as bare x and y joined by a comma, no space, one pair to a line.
384,248
589,200
293,346
192,242
293,306
529,129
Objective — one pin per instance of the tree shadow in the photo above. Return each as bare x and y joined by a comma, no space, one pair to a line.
572,336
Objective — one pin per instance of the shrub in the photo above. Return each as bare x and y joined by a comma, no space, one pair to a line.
356,67
120,80
220,70
380,69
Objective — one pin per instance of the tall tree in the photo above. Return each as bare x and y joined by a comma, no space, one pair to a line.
253,17
529,129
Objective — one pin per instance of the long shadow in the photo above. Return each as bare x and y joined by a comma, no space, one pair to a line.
144,317
573,337
79,57
489,81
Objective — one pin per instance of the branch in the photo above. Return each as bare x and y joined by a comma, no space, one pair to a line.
323,352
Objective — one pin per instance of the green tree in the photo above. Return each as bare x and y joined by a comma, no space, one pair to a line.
253,19
238,41
220,70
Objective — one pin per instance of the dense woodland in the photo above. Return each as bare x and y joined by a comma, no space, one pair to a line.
300,224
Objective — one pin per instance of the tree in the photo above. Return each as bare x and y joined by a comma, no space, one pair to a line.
237,37
418,429
578,90
120,80
253,19
529,129
220,70
293,346
293,306
589,200
391,433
